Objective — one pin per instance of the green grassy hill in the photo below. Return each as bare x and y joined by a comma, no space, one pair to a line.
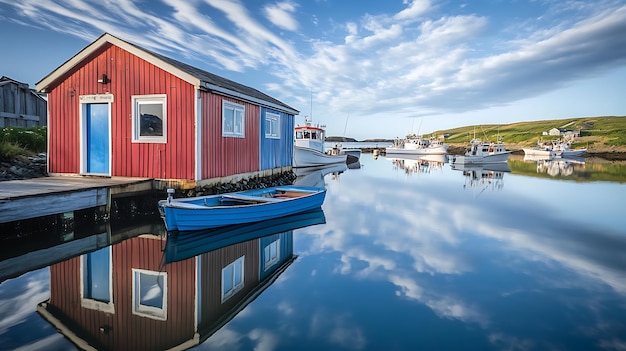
597,133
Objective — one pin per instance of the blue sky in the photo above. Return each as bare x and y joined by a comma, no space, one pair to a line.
365,69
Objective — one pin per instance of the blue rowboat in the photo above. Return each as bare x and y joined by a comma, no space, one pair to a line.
201,212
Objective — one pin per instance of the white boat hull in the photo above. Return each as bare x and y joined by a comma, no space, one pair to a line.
306,157
436,150
540,153
571,153
493,158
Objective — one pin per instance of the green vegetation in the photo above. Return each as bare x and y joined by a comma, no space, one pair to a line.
15,141
596,132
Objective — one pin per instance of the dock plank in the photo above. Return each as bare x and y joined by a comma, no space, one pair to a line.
30,198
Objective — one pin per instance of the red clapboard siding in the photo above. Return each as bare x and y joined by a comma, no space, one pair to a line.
129,75
129,331
225,156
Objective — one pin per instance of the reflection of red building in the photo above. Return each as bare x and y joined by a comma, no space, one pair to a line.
126,297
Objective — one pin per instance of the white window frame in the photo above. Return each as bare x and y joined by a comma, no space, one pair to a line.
149,311
271,260
238,112
137,101
90,303
272,125
238,264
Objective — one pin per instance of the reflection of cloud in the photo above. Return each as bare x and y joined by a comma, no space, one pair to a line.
53,342
430,224
341,330
383,231
14,310
265,339
285,308
223,339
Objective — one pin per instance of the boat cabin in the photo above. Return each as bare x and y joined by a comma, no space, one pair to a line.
310,136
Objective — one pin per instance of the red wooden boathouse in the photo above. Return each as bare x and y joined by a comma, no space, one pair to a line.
116,109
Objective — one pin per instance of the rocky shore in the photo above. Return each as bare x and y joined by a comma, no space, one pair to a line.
24,167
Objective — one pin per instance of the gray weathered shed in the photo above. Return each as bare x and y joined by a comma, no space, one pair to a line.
21,106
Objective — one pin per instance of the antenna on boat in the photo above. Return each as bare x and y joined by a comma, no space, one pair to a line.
311,114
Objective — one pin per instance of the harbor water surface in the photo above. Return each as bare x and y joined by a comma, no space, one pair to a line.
409,255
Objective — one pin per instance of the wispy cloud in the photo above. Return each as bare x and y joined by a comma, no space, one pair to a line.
423,59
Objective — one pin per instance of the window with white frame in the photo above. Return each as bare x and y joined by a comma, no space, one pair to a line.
150,118
272,125
233,121
232,278
150,294
272,253
97,280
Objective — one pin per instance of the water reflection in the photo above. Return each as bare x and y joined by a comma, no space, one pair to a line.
481,265
415,164
314,176
160,292
558,167
483,176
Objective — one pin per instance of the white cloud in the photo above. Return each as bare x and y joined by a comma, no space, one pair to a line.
415,9
280,14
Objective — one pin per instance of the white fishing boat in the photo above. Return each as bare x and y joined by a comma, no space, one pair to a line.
417,145
563,149
557,148
483,152
308,148
352,155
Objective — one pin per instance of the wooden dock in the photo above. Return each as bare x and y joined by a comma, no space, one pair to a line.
31,198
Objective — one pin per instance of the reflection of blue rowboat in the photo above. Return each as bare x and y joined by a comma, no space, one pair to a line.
248,206
185,244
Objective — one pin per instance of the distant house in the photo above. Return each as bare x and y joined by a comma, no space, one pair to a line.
116,109
21,106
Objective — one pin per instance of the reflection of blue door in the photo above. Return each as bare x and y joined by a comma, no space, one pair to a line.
97,275
97,138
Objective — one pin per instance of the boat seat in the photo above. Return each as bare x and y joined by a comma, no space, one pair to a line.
250,198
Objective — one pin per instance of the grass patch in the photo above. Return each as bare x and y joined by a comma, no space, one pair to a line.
15,141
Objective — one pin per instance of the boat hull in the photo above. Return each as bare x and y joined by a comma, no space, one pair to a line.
206,212
437,150
571,153
306,157
539,153
493,158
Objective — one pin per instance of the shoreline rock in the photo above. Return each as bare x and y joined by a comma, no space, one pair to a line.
24,167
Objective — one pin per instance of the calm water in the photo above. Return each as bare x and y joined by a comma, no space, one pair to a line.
407,255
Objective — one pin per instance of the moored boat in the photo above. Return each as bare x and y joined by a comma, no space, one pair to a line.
247,206
484,152
352,155
308,148
557,148
417,145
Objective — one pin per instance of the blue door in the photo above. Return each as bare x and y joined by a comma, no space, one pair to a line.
97,138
